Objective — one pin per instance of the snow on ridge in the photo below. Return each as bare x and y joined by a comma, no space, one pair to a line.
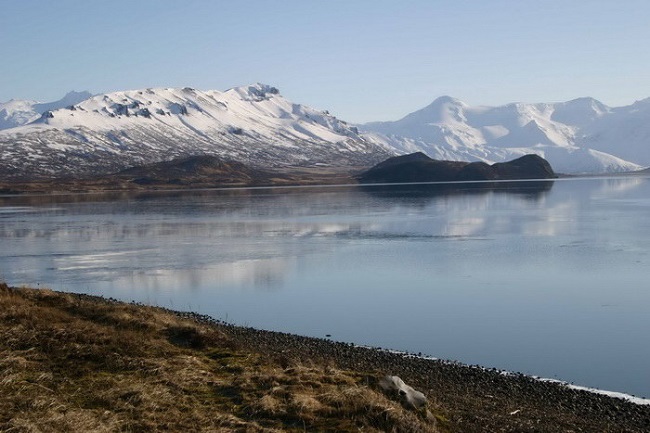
253,124
579,112
578,136
257,107
255,92
18,112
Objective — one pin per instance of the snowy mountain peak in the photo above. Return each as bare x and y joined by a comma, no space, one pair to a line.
255,92
446,99
253,124
74,97
444,109
579,112
231,110
19,112
640,104
575,136
443,106
586,101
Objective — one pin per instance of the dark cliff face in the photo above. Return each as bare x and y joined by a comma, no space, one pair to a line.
418,167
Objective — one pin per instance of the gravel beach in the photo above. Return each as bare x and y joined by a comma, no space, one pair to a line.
476,399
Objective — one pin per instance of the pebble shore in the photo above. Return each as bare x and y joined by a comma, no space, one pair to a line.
476,398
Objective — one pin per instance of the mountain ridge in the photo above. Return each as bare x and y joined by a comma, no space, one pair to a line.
18,112
256,125
575,136
109,132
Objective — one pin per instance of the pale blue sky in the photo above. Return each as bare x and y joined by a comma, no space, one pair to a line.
362,60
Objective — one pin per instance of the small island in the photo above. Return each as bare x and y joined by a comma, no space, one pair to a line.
418,167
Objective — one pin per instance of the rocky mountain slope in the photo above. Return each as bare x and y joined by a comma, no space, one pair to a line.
252,124
578,136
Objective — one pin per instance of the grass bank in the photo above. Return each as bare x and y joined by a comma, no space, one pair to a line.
80,363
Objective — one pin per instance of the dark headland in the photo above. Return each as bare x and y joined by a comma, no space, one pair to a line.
418,167
73,362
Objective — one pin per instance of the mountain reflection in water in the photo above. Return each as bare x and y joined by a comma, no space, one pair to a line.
532,190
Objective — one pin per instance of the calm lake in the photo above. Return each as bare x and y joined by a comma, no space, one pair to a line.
544,278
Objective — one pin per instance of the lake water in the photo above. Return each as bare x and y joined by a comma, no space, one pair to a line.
549,279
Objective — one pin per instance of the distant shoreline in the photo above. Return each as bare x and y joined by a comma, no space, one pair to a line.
93,186
299,176
202,172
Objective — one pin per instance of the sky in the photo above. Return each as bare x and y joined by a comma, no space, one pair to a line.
361,60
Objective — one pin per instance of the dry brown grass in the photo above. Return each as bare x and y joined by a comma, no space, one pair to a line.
72,363
327,399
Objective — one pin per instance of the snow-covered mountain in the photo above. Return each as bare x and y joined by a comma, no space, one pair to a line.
255,125
251,124
19,112
578,136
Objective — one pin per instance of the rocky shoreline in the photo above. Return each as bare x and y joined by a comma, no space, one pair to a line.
111,362
477,399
